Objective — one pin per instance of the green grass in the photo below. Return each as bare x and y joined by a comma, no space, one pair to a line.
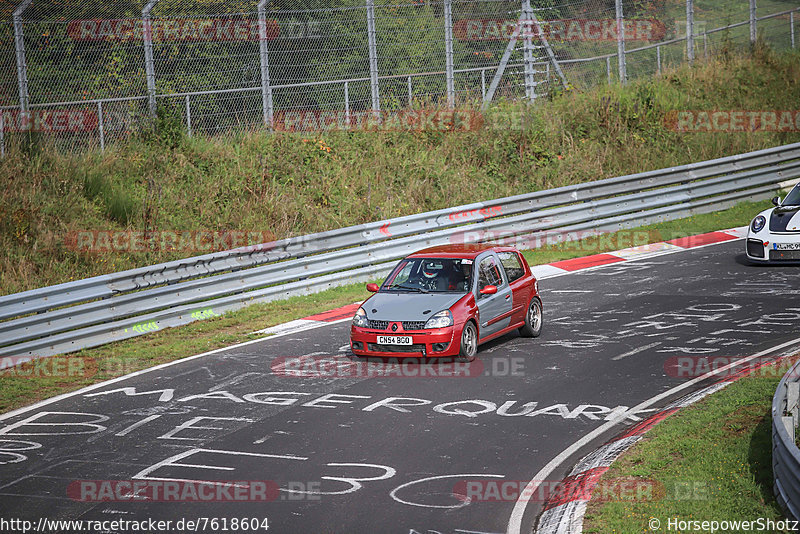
292,184
117,359
710,461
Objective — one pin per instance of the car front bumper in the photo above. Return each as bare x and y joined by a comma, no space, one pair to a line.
763,247
425,343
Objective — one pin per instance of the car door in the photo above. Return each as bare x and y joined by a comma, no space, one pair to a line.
521,285
494,310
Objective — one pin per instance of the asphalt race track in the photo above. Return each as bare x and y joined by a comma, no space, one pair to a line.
386,454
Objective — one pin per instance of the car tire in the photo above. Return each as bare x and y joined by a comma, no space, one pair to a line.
533,319
468,349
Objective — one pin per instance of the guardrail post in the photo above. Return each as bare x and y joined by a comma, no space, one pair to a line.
623,75
792,397
22,66
149,64
448,53
263,53
373,56
752,22
100,126
188,116
690,31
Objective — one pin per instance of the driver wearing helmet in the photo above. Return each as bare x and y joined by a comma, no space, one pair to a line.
433,276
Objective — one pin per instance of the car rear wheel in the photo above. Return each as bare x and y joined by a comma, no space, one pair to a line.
533,319
469,343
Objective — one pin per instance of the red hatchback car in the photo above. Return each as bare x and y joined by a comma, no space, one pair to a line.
445,301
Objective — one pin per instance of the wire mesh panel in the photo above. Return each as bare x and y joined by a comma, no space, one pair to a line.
9,94
81,51
97,72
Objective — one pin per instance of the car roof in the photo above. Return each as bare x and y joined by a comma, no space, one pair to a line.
459,251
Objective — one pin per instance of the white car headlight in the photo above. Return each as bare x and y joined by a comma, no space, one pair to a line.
758,223
440,320
360,319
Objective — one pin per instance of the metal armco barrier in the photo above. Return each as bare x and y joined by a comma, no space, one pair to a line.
785,454
95,311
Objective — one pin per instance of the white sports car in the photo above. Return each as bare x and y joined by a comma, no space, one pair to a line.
774,235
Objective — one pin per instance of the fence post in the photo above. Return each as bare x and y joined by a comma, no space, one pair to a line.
608,68
527,52
373,56
22,66
347,103
411,93
483,83
752,22
621,42
448,53
658,59
690,31
791,26
188,116
149,65
101,126
2,134
266,88
705,45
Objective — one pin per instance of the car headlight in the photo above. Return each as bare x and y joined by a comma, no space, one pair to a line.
758,223
360,319
440,320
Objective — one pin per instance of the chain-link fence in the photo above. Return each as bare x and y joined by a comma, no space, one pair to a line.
86,74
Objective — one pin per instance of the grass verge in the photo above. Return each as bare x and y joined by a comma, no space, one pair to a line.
27,385
710,462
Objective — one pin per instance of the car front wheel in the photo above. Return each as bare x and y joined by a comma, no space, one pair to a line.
533,320
469,343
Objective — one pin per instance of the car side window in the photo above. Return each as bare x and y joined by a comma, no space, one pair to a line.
489,274
512,265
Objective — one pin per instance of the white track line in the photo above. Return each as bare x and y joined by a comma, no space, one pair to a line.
515,521
99,385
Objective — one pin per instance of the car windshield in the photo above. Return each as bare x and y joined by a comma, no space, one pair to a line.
793,198
430,275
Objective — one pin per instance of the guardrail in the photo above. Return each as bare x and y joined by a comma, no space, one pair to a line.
95,311
785,454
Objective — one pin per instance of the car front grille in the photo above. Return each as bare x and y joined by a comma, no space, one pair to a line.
407,325
789,255
416,347
755,248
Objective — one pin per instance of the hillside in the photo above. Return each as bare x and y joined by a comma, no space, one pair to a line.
295,183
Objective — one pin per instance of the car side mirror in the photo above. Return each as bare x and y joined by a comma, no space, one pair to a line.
489,290
373,288
776,201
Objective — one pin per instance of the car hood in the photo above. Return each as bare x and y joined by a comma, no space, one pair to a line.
400,306
784,219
